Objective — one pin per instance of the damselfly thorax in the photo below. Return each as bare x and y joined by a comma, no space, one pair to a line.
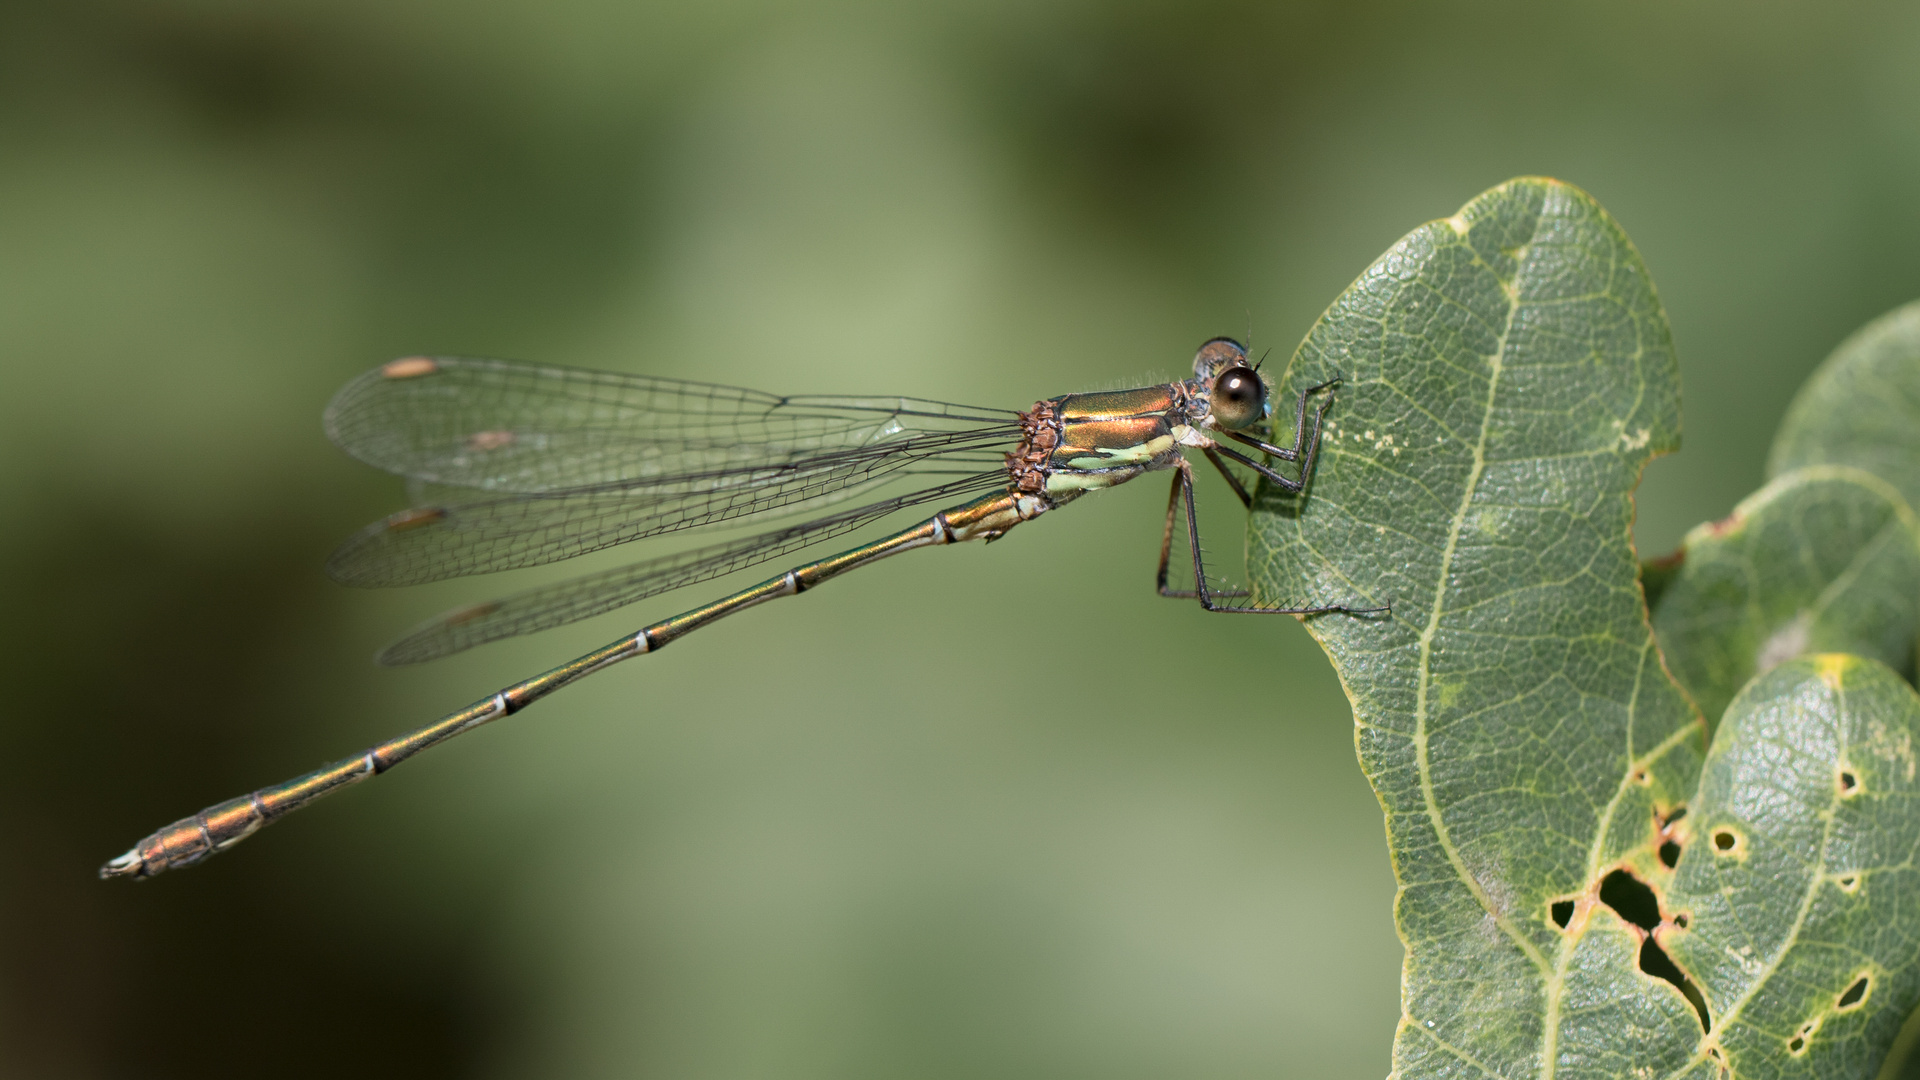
540,464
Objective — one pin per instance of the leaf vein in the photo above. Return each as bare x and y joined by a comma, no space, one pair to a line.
1436,820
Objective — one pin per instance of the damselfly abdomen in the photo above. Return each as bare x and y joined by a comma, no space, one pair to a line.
545,463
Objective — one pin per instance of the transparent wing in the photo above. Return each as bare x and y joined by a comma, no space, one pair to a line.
504,426
583,597
508,532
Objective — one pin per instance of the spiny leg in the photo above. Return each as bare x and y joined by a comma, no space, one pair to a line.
1220,463
1183,488
1166,535
1182,476
1166,543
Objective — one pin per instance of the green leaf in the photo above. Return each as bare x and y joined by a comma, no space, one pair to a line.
1862,407
1802,860
1824,559
1581,894
1508,373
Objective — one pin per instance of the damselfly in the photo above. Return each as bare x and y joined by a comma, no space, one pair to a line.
545,463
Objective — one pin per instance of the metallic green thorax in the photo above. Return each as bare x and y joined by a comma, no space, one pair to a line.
1084,442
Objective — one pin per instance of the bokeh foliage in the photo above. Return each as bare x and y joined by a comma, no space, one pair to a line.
213,214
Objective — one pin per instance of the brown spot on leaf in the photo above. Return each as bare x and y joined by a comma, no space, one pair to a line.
1726,524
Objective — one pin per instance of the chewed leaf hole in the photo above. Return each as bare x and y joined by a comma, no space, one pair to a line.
1681,920
1798,1044
1727,842
1848,882
1669,841
1855,994
1655,962
1632,900
1562,913
1849,783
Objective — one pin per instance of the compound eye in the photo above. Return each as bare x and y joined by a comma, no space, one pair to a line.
1218,355
1239,398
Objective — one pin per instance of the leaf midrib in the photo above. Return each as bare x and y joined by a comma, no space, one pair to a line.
1495,365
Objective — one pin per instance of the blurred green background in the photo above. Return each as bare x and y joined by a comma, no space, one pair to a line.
894,829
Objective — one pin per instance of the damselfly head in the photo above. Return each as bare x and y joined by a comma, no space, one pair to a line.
1217,356
1238,398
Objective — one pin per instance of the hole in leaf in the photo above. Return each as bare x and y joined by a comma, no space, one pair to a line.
1669,843
1655,962
1632,900
1855,993
1848,883
1725,840
1681,920
1848,782
1562,913
1798,1044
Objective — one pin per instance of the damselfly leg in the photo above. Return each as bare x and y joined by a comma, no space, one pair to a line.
1181,499
1305,449
1239,490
